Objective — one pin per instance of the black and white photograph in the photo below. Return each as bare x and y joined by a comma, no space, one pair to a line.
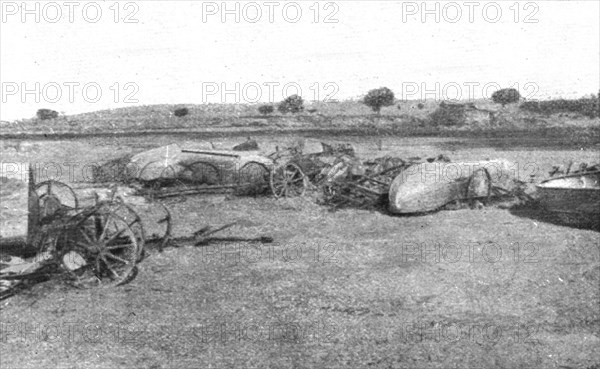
321,184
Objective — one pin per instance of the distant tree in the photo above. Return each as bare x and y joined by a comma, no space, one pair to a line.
45,114
506,96
266,109
181,112
292,104
420,106
378,98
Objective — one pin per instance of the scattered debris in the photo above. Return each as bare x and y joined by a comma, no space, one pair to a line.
561,170
104,241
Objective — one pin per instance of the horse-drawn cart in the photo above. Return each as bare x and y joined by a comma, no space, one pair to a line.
173,171
98,244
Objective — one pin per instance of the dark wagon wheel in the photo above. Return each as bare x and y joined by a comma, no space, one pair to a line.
128,214
54,195
254,171
155,182
288,180
202,172
102,242
253,177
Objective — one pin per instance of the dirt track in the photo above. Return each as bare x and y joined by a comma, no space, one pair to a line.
345,289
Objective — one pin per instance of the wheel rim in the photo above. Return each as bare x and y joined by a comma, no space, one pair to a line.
288,180
278,182
53,195
254,172
130,216
168,177
201,172
253,177
106,244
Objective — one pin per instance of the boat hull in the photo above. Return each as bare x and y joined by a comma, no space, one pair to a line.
574,198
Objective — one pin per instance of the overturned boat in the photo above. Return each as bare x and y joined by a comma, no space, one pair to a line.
575,198
428,187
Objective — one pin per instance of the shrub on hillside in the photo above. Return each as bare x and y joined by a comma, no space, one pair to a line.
589,107
181,112
292,104
45,114
378,98
266,109
506,96
448,115
420,106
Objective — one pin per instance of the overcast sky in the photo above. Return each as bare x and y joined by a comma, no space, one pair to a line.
153,52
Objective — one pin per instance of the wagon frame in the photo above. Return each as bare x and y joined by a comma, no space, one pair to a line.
280,172
106,239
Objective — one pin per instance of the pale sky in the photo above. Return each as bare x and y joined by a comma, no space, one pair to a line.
181,52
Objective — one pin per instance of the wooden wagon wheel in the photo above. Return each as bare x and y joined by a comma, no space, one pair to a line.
128,214
54,195
253,177
102,242
202,172
288,180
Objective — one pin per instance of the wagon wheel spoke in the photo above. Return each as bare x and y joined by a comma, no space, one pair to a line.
86,236
98,267
60,192
105,227
115,257
299,179
290,174
85,246
295,181
125,212
278,181
117,247
115,274
279,188
117,234
113,254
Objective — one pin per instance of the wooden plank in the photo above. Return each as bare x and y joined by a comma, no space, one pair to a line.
213,153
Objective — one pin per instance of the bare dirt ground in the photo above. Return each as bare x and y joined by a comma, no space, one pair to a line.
487,288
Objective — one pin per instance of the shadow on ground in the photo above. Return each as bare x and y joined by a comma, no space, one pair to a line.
535,212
